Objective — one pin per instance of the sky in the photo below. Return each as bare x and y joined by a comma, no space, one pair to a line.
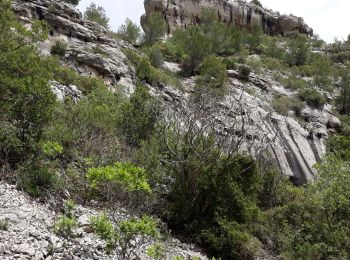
330,19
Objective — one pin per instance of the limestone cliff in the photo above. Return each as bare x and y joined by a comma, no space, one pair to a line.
182,13
294,147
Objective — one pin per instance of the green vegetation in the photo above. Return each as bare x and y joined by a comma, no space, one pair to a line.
124,151
59,48
155,28
97,14
66,222
285,104
73,2
126,235
129,32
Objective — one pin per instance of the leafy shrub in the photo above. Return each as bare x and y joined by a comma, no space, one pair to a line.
230,63
127,234
52,149
244,72
123,175
4,224
285,104
155,56
213,72
66,222
38,179
156,251
292,82
59,48
299,51
312,97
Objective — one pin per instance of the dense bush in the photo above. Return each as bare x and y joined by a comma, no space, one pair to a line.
244,72
196,46
59,48
213,72
312,97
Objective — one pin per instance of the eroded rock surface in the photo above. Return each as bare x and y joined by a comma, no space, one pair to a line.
30,233
182,13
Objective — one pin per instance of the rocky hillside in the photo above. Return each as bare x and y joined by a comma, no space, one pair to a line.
183,13
29,232
253,116
293,147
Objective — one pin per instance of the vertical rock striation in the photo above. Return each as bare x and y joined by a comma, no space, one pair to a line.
182,13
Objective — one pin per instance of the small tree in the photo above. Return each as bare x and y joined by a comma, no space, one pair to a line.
129,32
256,2
322,70
196,46
299,51
344,98
96,14
155,27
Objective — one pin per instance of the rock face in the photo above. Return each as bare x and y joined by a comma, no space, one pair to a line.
182,13
89,50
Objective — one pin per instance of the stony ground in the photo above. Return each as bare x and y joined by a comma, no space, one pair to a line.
30,235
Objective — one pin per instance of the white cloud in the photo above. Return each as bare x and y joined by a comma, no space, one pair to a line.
328,18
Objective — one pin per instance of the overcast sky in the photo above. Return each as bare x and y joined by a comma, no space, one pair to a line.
328,18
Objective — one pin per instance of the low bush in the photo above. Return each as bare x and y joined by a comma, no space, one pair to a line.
126,236
213,72
312,97
285,104
67,221
244,72
59,48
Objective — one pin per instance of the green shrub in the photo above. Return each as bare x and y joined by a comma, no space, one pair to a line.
4,224
155,56
256,2
293,82
59,48
230,63
244,72
126,236
38,179
66,222
213,72
156,251
285,104
52,149
140,116
123,175
312,97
